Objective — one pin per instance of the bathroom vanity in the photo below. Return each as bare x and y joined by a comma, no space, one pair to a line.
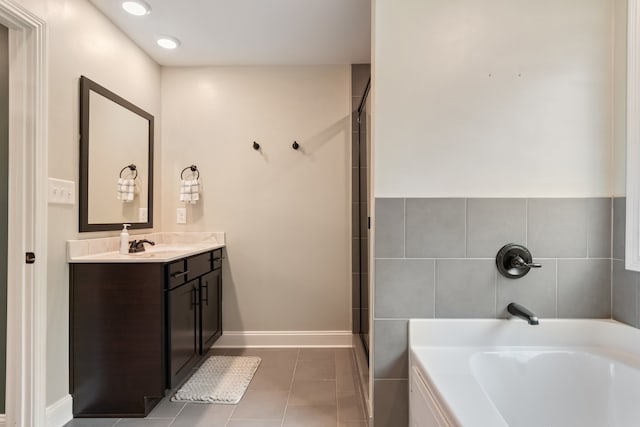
140,323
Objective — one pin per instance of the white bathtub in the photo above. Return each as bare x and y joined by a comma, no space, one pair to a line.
493,373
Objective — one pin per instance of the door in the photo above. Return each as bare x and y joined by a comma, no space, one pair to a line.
27,214
210,313
4,177
183,347
364,138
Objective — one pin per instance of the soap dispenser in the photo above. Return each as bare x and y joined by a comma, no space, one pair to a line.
124,239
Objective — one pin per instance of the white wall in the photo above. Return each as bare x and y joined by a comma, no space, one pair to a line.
620,99
81,41
286,213
499,98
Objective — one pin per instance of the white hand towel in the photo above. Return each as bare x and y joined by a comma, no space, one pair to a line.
190,191
122,189
185,191
126,190
195,191
131,190
119,191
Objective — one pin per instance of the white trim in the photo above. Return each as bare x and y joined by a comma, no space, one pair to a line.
26,293
60,412
284,339
3,420
632,239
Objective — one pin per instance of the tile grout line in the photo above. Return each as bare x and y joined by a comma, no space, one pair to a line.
355,373
404,231
557,263
335,363
636,296
526,222
293,376
495,292
466,218
434,288
611,212
184,405
586,226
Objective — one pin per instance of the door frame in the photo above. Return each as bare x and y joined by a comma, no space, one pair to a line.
27,213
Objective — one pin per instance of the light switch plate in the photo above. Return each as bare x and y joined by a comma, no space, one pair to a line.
62,192
142,214
181,216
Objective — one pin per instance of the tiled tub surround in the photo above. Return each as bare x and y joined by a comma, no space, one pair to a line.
435,257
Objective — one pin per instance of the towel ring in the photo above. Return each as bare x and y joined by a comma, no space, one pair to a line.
132,168
193,168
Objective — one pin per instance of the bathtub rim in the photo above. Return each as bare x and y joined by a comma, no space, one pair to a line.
473,334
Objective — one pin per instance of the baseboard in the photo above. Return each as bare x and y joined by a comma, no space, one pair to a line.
60,413
284,339
3,420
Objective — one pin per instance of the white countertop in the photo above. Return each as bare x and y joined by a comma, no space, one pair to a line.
168,247
157,253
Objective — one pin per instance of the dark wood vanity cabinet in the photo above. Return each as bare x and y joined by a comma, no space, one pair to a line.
182,330
210,314
137,329
194,319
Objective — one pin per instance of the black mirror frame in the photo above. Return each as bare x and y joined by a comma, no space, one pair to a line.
87,85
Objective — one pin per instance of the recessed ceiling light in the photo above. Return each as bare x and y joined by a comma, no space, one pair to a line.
168,42
137,8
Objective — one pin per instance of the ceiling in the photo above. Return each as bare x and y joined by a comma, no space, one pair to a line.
250,32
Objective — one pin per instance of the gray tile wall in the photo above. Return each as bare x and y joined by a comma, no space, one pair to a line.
435,257
625,283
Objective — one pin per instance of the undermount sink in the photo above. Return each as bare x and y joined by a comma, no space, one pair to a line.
160,251
160,248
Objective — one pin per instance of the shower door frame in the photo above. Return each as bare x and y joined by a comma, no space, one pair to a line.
362,109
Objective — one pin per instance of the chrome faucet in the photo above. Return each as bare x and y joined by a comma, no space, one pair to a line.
136,246
523,313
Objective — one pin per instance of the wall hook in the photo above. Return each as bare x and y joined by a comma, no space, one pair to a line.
295,145
256,146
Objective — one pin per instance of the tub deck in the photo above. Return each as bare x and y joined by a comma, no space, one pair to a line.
506,373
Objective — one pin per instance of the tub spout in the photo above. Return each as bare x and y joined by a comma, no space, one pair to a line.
523,313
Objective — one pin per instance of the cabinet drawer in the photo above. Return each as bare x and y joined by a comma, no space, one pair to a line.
177,273
198,265
217,259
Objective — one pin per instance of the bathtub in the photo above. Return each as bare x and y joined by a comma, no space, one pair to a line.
495,373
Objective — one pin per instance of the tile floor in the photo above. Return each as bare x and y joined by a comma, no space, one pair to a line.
291,388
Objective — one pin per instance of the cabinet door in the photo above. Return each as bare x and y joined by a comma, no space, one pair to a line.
117,343
210,310
183,347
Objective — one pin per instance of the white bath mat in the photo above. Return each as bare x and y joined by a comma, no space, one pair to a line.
220,379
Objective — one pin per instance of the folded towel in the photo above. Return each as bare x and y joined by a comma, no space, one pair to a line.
195,191
190,191
126,189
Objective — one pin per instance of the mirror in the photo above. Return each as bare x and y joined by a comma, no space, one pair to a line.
116,161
